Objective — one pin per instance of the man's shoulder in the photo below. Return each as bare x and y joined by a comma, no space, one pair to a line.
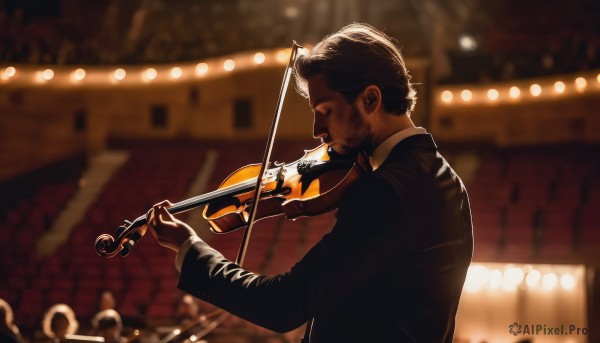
375,184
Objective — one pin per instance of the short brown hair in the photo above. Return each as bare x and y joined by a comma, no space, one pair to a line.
356,56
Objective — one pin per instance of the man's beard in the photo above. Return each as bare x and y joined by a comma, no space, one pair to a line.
358,135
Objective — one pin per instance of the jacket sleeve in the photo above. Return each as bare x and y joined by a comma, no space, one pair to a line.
362,243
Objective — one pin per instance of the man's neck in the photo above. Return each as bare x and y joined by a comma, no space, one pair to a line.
388,125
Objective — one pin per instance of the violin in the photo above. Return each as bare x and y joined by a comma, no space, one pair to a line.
311,185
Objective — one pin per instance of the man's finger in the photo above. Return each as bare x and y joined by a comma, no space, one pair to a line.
150,217
165,215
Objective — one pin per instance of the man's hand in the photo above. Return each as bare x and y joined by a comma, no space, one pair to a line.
168,230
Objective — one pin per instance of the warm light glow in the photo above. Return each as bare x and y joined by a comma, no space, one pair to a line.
48,74
78,74
120,74
580,83
567,281
512,278
201,69
466,95
549,280
535,89
495,279
514,92
545,88
229,65
9,72
467,42
559,86
514,275
447,96
533,278
176,332
492,94
176,72
282,56
150,74
477,277
193,338
259,58
291,12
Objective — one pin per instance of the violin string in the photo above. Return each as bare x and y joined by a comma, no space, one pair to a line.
198,200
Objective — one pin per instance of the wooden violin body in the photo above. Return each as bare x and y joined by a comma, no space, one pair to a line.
310,186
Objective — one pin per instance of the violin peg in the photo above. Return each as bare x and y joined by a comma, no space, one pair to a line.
130,243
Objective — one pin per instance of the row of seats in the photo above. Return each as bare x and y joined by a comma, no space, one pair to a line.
535,206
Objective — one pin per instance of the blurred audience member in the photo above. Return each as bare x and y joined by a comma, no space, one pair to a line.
108,324
187,310
9,332
58,322
107,301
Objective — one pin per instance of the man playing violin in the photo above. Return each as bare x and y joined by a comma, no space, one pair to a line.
393,266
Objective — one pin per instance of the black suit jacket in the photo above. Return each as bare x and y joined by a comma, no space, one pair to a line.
391,269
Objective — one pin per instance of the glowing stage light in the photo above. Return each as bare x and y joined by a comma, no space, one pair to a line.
9,72
533,278
150,74
567,281
119,74
492,94
467,42
559,87
201,69
477,277
514,92
78,74
535,89
549,280
580,83
48,74
514,275
176,72
229,65
495,279
259,58
447,96
466,95
512,278
282,56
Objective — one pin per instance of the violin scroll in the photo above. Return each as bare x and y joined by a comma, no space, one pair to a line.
127,235
103,244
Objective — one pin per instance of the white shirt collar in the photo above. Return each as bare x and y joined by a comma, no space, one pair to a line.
383,150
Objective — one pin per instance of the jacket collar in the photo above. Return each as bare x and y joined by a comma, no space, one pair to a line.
384,149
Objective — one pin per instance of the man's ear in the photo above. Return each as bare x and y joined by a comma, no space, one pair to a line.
371,98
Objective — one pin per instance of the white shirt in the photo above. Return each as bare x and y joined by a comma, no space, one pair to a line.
379,156
382,151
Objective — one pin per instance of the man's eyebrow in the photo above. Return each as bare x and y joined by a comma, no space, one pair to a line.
318,102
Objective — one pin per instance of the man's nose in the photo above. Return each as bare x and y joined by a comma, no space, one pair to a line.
319,129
